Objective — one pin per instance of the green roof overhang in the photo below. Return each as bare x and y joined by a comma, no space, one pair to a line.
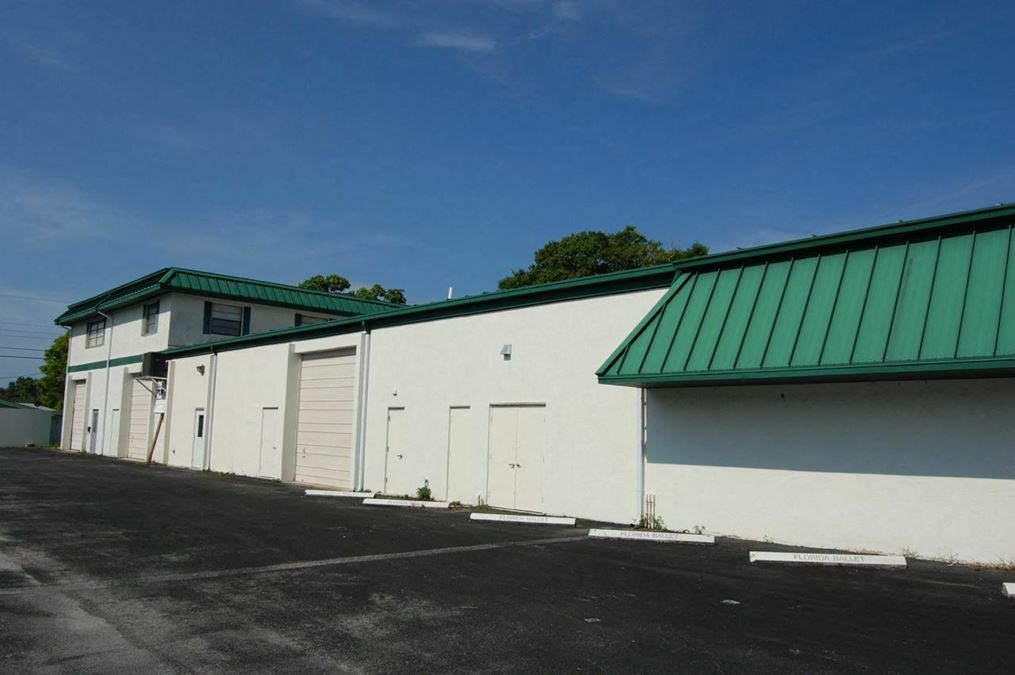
178,280
932,301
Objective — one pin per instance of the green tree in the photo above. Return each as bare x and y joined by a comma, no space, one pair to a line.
22,390
54,372
593,252
334,283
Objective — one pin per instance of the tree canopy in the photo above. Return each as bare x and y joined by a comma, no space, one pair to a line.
593,252
48,389
336,283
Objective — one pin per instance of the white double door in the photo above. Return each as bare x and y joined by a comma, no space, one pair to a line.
515,478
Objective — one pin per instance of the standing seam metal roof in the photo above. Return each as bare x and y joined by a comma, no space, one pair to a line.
914,305
175,279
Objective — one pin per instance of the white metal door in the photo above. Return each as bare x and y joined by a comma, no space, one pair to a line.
113,434
93,432
515,478
397,474
466,477
324,426
529,459
198,448
140,420
503,439
271,457
77,420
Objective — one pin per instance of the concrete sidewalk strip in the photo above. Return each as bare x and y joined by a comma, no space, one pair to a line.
419,504
1008,588
642,535
818,558
338,493
531,520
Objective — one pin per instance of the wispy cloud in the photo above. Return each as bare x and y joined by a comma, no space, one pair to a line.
622,89
468,43
37,209
353,12
40,51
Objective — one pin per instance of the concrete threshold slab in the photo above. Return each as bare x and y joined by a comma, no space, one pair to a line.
815,558
530,520
338,493
1008,588
406,502
643,535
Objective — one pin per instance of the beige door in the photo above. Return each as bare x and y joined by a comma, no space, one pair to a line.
466,477
78,415
324,427
398,462
140,419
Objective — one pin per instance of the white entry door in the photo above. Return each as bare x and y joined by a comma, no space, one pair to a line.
271,456
113,434
324,427
397,462
198,448
77,420
515,479
466,479
93,432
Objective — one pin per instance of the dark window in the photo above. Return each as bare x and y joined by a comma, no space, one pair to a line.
96,333
225,320
307,319
200,426
150,323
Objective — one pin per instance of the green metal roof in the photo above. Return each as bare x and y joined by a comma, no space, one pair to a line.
179,280
937,300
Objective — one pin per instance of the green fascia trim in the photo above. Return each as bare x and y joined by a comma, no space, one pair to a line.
628,281
967,368
927,302
120,361
179,280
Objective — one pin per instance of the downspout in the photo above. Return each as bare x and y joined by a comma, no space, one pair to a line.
208,415
643,442
105,396
361,435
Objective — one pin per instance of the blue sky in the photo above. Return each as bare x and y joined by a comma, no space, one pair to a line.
421,144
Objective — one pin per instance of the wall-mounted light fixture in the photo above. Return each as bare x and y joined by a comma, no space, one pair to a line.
505,351
200,369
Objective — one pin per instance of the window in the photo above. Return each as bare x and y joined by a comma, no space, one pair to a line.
307,319
222,319
96,333
150,320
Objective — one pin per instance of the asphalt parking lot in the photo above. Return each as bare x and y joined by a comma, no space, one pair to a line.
111,566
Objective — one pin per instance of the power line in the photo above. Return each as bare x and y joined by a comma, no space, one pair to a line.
22,349
11,356
33,297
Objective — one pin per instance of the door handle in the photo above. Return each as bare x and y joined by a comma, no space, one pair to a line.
399,456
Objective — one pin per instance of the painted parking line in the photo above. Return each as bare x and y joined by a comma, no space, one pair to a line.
663,537
290,567
816,558
337,493
530,520
406,502
1008,588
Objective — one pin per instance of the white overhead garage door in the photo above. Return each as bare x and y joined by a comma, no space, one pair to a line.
324,428
77,420
140,419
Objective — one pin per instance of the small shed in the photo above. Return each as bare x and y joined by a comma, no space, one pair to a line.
26,424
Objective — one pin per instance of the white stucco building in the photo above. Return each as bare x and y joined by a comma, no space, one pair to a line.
852,390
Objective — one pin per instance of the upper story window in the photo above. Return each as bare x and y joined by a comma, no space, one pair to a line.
95,334
150,319
306,319
221,319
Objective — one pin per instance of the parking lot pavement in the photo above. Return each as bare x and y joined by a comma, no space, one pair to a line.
106,565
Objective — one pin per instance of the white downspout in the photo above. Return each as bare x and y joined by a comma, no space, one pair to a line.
360,474
643,442
210,407
105,396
